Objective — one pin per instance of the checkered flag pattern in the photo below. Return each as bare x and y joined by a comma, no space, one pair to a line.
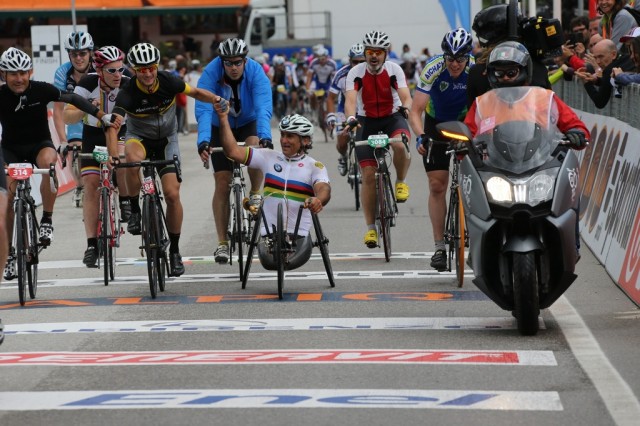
46,50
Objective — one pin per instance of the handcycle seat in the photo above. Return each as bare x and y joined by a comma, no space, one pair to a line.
301,253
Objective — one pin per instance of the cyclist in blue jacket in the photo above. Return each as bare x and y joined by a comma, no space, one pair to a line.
242,82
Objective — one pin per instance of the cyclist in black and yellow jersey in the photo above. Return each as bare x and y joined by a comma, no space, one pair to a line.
149,103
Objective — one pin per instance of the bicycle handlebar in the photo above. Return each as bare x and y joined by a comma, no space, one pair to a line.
404,139
51,171
73,148
213,149
155,164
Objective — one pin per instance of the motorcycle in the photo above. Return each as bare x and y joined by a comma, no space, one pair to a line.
519,186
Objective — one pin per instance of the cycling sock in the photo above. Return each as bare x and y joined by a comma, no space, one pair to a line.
135,204
47,217
399,181
440,245
124,200
92,242
371,227
223,243
254,193
174,239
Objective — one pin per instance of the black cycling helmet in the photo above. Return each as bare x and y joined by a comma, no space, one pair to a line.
491,24
457,43
510,53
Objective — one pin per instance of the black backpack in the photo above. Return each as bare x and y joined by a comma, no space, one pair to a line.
635,13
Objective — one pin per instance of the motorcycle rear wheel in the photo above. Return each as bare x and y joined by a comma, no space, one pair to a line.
525,292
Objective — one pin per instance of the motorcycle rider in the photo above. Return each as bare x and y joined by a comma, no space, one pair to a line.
510,65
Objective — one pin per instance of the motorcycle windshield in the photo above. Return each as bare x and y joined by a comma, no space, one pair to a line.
518,126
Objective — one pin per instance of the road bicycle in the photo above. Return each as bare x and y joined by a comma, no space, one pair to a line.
386,205
240,223
284,251
26,230
281,103
154,234
456,236
109,224
321,106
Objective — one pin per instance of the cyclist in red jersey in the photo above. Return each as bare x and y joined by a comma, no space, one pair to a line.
377,92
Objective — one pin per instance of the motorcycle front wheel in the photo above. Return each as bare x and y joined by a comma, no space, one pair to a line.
525,292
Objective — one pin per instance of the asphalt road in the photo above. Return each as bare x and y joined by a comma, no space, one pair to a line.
392,343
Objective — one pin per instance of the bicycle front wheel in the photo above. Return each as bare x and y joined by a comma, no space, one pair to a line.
151,244
103,233
385,215
22,241
460,239
237,239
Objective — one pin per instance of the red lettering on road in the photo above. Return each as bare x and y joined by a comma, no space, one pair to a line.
630,271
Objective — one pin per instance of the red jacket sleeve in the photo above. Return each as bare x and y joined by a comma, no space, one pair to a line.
568,119
470,119
575,62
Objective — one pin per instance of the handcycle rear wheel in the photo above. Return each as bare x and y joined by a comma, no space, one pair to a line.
255,238
278,249
323,244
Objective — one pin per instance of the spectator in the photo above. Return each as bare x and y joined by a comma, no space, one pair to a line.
594,25
616,21
598,85
621,77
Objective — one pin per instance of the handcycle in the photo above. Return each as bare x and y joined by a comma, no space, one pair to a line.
76,150
456,236
386,205
26,230
109,224
240,223
154,234
278,250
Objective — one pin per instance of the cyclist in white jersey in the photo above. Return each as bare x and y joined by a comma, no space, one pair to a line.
101,88
320,73
79,46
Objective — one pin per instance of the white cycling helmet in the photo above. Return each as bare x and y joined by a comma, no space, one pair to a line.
78,41
322,52
356,51
376,40
143,54
278,60
233,47
13,60
259,59
295,123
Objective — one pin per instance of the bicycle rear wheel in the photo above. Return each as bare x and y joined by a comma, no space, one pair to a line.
22,241
460,240
32,261
384,213
279,250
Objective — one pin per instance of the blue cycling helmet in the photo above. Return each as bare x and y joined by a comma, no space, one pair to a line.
356,51
457,43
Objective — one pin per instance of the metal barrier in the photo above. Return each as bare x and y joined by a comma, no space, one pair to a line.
624,108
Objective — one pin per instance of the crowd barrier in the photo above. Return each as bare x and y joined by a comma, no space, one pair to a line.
610,182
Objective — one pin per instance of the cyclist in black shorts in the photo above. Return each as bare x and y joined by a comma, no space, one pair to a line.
148,102
100,88
25,131
442,92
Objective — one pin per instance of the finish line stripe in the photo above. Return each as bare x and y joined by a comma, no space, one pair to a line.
281,398
270,324
289,356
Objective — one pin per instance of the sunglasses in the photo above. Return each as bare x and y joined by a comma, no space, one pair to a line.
377,52
149,69
506,73
79,54
114,70
460,60
230,64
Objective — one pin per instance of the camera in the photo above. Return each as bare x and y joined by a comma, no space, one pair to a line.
575,38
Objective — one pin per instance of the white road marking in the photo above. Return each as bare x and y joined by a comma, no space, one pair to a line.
269,324
281,398
615,392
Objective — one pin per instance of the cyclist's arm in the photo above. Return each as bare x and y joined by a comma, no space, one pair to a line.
227,140
200,94
350,99
112,141
405,96
81,103
331,102
72,114
420,101
309,78
322,192
58,122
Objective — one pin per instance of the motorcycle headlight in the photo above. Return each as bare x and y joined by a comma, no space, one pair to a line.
531,190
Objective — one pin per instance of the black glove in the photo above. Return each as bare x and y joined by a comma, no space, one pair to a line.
404,111
202,146
266,143
351,122
576,139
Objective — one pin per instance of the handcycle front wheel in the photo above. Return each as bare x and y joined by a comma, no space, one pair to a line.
278,250
255,239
